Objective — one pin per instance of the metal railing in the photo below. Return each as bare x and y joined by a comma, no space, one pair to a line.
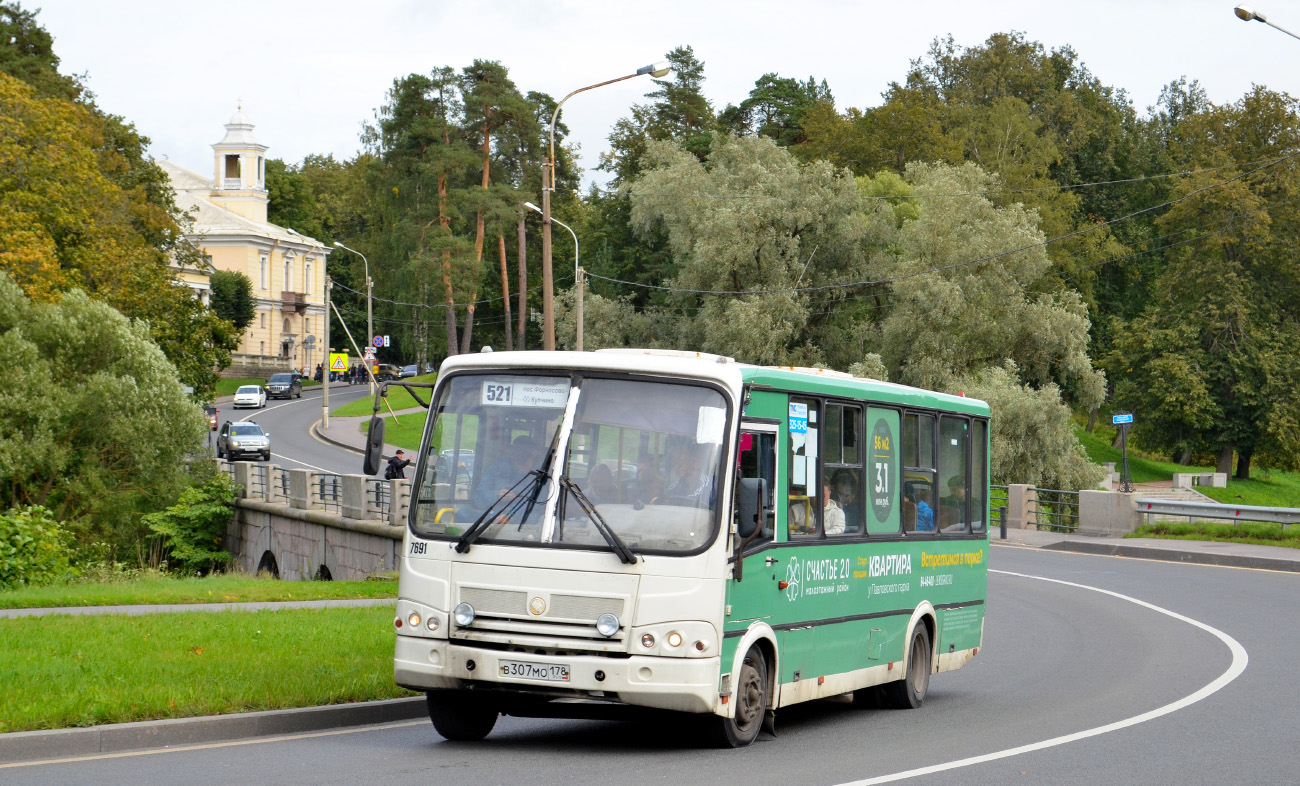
280,490
327,491
1056,510
257,479
997,497
1211,510
378,497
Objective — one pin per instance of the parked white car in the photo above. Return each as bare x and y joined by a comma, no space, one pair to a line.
250,396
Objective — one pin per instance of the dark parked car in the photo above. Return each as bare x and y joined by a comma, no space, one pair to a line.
241,437
387,373
284,385
409,371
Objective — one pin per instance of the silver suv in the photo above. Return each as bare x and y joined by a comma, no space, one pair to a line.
242,437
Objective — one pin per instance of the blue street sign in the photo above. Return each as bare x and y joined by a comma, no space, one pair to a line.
1118,419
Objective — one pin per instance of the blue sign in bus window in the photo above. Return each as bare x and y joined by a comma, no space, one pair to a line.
798,418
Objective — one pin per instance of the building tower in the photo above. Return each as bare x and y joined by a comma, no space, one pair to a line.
240,169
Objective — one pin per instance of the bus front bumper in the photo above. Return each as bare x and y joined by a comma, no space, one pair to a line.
682,684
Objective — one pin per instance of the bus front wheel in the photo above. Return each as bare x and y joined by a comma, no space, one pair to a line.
461,716
751,703
909,692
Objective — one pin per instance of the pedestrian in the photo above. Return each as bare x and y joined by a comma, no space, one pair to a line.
395,466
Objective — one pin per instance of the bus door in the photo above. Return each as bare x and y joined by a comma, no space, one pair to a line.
750,598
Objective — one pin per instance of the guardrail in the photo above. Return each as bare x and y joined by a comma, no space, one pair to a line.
1057,510
1212,510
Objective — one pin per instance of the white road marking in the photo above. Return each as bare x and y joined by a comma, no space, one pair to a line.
1239,661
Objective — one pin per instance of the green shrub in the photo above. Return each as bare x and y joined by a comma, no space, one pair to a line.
192,529
34,549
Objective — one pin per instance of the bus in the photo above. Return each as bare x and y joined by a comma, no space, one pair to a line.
680,531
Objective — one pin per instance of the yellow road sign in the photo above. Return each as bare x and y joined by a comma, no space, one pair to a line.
338,361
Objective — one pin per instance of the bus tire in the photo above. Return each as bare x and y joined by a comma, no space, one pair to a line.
909,692
750,696
463,717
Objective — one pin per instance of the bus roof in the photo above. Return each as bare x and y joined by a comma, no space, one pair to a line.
725,370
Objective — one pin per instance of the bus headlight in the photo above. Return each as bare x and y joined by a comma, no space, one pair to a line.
464,615
432,623
674,639
414,619
647,640
607,625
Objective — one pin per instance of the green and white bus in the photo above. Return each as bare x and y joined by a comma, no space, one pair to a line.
680,531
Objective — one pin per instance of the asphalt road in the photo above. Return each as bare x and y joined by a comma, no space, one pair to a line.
1092,688
289,422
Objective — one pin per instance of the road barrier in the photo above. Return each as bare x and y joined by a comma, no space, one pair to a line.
1212,510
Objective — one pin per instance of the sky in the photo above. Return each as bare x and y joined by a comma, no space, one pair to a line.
310,74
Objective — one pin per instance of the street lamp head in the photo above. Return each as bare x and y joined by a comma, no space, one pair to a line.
1247,14
532,207
337,243
656,70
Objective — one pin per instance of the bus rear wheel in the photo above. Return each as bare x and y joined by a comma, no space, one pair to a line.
909,692
459,716
751,703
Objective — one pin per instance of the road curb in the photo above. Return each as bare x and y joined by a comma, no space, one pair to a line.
118,737
1168,555
316,432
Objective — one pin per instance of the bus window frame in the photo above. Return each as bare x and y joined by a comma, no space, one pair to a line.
722,480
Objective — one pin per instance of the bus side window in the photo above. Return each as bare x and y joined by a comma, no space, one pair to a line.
802,489
918,473
758,460
954,458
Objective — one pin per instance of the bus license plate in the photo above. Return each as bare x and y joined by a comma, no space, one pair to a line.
551,672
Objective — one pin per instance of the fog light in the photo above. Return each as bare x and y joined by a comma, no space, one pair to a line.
647,639
432,623
607,625
414,619
674,639
464,615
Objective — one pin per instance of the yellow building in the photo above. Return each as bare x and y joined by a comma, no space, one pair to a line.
228,215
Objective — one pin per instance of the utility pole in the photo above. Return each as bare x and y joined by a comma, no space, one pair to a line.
325,414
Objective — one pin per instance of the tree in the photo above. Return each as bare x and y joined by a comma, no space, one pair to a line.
232,298
292,201
108,437
775,108
1209,363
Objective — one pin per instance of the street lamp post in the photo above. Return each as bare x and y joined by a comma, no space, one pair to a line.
548,185
370,314
577,270
1247,14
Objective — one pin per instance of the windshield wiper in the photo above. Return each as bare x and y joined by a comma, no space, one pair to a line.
512,498
625,554
506,505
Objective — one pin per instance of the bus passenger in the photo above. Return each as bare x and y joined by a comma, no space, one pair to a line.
832,514
685,478
846,494
523,456
924,513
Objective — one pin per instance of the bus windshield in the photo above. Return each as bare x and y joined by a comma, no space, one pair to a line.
640,457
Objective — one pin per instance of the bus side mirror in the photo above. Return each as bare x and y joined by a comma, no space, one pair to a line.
374,445
752,493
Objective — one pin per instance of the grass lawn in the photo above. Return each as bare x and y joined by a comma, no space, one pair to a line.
1269,488
1261,534
407,433
228,588
69,671
397,397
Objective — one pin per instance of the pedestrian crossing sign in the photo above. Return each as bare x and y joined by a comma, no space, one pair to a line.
338,361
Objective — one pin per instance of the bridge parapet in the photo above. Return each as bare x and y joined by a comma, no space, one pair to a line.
300,524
